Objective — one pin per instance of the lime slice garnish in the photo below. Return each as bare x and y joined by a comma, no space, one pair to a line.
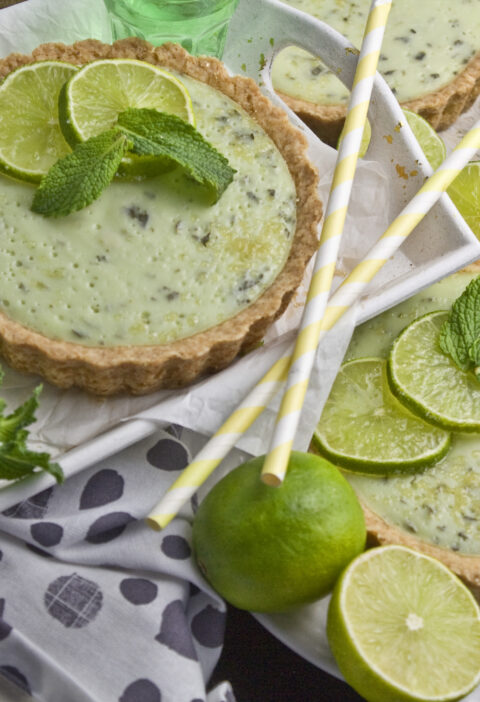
428,382
366,136
364,428
91,102
432,145
30,137
403,628
465,194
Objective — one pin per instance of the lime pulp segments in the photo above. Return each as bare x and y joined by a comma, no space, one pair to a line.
428,382
403,628
30,137
364,428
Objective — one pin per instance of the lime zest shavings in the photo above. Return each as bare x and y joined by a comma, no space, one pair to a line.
76,180
156,133
459,336
16,460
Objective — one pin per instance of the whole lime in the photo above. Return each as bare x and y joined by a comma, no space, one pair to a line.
269,549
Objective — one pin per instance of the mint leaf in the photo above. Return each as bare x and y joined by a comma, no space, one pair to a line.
16,460
78,179
460,335
156,133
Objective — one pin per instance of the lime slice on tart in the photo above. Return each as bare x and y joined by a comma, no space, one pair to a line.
91,104
465,195
31,140
432,145
403,628
364,428
428,382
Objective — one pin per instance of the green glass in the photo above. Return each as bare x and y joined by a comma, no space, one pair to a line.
200,26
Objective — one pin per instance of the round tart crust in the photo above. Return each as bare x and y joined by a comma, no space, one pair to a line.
440,108
143,369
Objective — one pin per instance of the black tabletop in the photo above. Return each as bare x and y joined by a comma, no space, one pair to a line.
261,669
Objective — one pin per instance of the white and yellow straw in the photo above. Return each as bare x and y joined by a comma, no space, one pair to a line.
340,190
351,289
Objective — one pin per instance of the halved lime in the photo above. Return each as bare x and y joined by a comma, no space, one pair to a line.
465,194
364,428
432,145
30,137
428,382
403,628
91,101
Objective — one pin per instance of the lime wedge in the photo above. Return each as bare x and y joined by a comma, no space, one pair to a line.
30,137
432,145
364,428
465,194
403,628
428,382
91,101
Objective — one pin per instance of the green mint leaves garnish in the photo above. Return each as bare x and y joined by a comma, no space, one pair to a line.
156,133
76,180
460,334
16,460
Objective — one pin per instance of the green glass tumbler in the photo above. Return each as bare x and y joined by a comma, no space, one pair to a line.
200,26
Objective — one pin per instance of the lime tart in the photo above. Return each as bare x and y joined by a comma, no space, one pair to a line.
435,509
151,286
430,58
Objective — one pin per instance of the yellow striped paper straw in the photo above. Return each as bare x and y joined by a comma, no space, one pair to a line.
340,190
351,289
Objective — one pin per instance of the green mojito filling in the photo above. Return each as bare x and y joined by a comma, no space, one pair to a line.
151,261
426,45
441,504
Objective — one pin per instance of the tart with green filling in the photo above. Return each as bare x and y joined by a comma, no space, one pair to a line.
430,58
150,286
436,510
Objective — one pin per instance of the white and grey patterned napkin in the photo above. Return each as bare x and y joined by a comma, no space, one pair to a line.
97,607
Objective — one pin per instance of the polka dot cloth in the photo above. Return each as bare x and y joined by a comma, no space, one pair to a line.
94,605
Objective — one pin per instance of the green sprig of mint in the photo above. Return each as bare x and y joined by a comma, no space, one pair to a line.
156,133
460,335
16,460
76,180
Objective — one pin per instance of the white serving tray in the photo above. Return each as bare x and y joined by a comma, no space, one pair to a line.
441,244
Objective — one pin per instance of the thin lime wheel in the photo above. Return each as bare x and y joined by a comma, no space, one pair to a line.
31,140
465,195
432,145
403,628
91,102
364,428
428,382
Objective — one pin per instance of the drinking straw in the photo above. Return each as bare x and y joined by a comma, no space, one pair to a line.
340,190
350,290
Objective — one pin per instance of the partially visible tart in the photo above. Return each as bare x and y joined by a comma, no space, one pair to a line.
430,58
149,287
436,511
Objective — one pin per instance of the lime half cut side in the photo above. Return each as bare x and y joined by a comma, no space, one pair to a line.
364,428
31,140
465,195
428,382
91,102
403,628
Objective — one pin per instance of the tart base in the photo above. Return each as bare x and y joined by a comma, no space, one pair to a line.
144,369
440,108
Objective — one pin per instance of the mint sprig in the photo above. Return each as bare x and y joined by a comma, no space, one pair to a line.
76,180
156,133
460,335
16,460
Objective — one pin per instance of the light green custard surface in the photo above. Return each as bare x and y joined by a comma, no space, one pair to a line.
442,504
150,262
426,44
